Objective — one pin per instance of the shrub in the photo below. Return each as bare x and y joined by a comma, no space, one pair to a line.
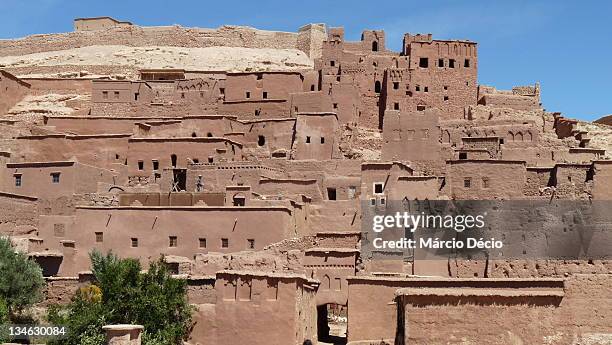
122,294
21,280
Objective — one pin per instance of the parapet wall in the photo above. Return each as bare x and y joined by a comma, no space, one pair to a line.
308,39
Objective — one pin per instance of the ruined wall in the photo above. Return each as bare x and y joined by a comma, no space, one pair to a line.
13,90
486,179
18,214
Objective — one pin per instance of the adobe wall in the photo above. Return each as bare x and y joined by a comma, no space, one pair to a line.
331,266
285,301
120,224
13,90
506,316
103,151
177,36
147,150
486,179
411,136
602,181
315,136
18,214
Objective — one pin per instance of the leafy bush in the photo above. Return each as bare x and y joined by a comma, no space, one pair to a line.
21,280
122,294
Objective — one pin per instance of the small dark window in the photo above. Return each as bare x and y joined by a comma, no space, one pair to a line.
322,140
446,98
373,202
445,87
116,156
396,85
193,134
136,96
396,106
140,165
332,63
265,95
251,243
257,112
451,63
248,95
55,177
307,139
426,89
209,134
99,237
440,62
377,87
210,159
462,155
331,193
224,243
378,188
423,62
134,242
417,88
261,141
467,183
335,105
202,242
420,107
485,183
195,161
222,91
201,94
182,95
312,87
155,165
105,94
466,63
259,76
173,160
172,241
374,46
116,94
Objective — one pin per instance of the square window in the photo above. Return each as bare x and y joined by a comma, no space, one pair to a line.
248,95
372,202
426,89
134,242
224,243
172,241
335,105
418,88
463,155
467,182
396,85
312,87
99,237
445,87
396,106
105,94
423,62
420,107
116,94
446,98
466,63
155,165
440,62
55,177
322,140
251,243
265,95
332,63
17,180
379,188
307,139
331,193
140,165
222,90
202,242
451,63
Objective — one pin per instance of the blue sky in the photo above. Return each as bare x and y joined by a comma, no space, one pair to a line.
565,45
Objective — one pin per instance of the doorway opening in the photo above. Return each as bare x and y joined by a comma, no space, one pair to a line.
332,324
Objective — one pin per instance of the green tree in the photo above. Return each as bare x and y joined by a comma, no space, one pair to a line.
21,280
122,294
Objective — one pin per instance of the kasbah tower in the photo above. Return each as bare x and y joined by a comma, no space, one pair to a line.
250,160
